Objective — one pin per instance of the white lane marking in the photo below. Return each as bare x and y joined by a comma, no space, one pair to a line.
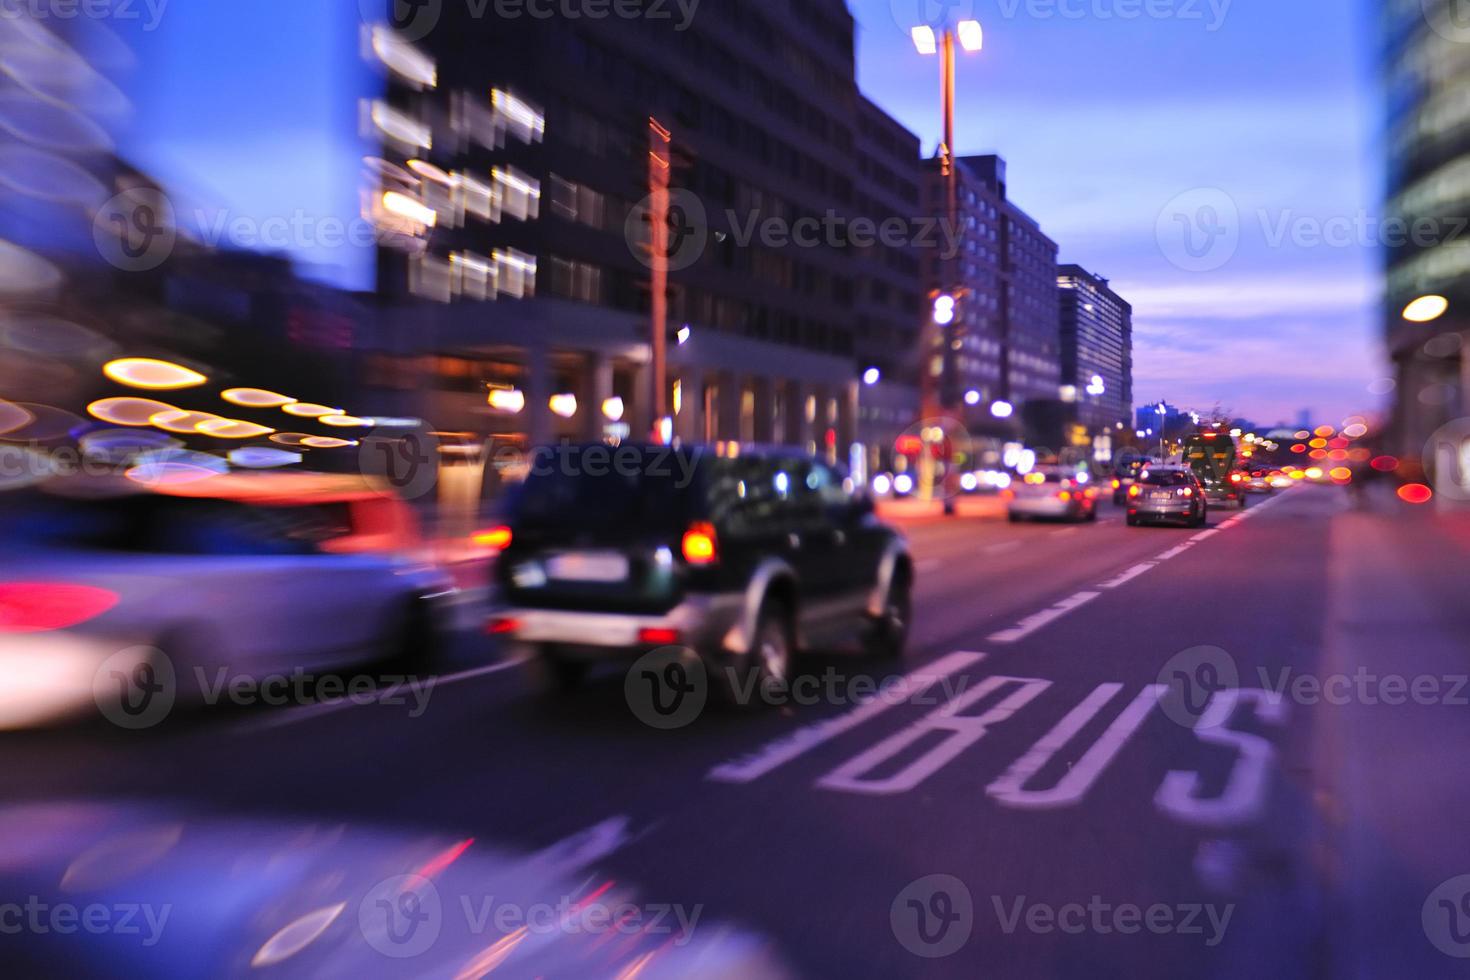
1010,790
1065,531
1206,535
1033,623
1127,576
1173,552
960,732
1002,548
781,751
306,712
1244,797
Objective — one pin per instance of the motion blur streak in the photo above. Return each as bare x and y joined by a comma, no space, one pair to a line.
296,936
485,962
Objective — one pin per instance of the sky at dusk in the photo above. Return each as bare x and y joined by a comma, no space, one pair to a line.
1256,117
1105,122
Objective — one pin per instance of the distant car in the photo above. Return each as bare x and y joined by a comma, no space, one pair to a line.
1258,481
1052,492
615,553
1124,477
254,575
1167,495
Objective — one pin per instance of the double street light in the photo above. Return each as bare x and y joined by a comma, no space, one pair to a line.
928,41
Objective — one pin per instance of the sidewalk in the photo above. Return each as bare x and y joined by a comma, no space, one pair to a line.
1393,779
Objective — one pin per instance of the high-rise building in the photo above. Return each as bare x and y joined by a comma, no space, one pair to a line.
519,150
1005,343
1427,72
1097,350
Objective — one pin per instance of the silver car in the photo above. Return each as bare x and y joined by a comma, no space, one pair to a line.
1053,492
1167,495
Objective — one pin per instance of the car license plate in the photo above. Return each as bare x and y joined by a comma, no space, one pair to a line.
1163,496
586,566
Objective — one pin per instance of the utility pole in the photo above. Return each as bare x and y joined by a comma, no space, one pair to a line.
659,170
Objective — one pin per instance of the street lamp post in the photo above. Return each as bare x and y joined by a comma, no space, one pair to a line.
969,36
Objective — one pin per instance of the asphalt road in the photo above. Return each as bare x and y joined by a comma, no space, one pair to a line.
1043,798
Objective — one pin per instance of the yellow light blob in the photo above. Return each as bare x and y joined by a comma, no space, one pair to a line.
155,375
344,421
256,398
233,429
326,442
182,422
308,410
134,412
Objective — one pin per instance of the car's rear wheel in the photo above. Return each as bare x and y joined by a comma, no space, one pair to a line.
768,662
1132,520
888,634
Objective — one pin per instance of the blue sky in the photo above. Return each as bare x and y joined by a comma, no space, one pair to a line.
1104,121
1266,108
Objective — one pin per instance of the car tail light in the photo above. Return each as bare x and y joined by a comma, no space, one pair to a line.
654,636
1135,490
495,538
700,545
1235,477
1064,496
1187,492
1008,495
1117,484
501,625
35,607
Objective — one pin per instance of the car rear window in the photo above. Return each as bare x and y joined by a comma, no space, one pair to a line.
1155,478
600,488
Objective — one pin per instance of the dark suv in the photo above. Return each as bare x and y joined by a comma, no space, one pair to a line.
615,552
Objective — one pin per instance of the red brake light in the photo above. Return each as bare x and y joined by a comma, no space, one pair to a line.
34,607
652,636
700,546
496,538
502,625
1235,478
